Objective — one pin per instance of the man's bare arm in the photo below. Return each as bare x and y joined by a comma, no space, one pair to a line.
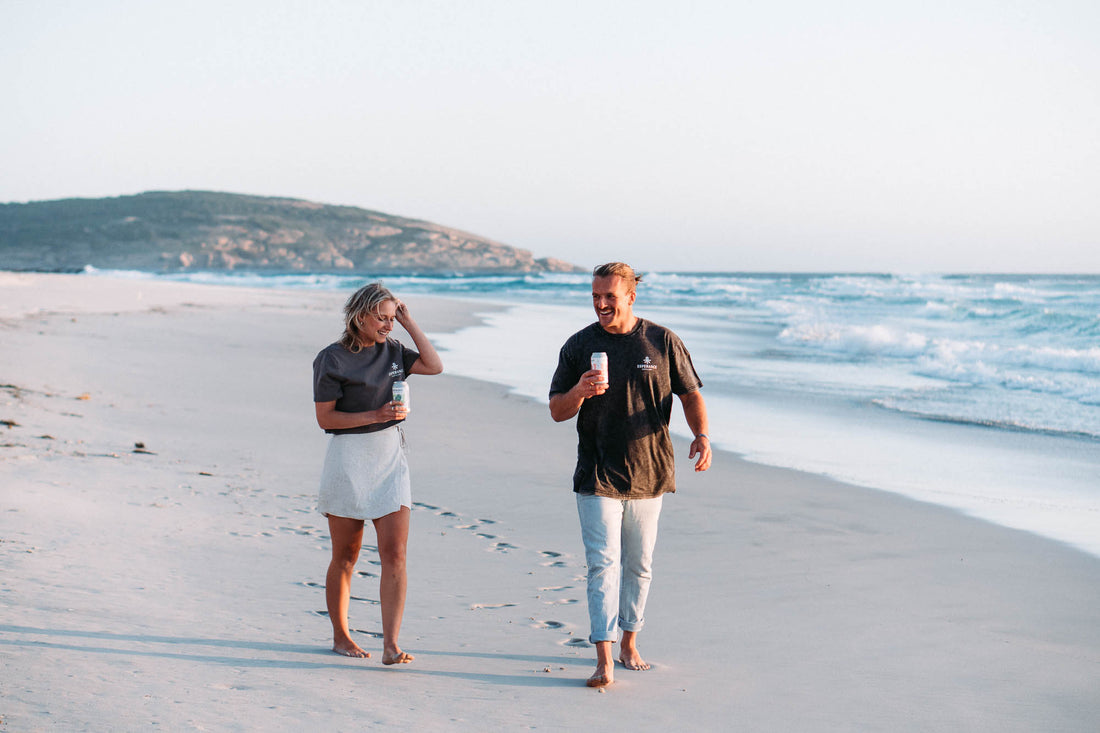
695,411
564,405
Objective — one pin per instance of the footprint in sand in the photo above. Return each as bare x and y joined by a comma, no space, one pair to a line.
550,555
548,625
565,602
298,530
366,574
503,547
487,536
372,634
422,505
490,606
371,601
375,634
577,642
555,589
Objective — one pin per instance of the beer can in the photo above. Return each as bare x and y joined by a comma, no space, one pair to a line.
599,361
401,393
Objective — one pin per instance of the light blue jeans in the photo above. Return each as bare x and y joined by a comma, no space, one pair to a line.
619,536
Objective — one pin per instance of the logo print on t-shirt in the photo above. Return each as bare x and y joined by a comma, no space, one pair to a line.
647,364
396,371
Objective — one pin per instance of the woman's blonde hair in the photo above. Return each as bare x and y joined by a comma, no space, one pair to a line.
367,299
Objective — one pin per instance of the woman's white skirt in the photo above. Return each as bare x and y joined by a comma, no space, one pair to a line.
366,475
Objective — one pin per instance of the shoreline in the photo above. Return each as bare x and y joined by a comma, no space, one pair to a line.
1019,480
180,586
138,293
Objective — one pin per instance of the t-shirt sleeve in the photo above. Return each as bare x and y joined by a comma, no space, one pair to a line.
682,372
566,375
408,358
326,385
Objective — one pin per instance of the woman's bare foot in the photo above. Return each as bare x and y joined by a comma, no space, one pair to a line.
350,649
396,656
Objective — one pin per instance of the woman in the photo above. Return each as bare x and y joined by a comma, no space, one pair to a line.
366,475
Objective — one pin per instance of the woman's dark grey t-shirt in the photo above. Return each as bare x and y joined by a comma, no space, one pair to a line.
361,381
624,449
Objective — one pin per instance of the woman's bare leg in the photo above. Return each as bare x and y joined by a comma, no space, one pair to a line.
393,538
347,538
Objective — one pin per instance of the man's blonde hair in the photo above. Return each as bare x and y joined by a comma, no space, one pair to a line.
367,299
619,269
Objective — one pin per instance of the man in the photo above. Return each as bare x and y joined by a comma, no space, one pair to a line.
625,461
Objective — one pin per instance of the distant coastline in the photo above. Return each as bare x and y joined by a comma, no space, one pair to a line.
194,231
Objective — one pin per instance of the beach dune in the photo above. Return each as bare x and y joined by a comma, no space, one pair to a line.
162,561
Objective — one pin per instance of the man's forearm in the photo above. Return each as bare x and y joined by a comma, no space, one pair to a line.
695,412
565,405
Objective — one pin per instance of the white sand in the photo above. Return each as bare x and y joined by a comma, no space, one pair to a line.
180,588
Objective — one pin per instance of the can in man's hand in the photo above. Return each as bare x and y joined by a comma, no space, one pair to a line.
599,361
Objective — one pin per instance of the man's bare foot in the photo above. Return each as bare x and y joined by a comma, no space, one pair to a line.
602,677
350,649
396,657
631,659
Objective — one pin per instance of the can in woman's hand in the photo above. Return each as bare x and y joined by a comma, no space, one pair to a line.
401,393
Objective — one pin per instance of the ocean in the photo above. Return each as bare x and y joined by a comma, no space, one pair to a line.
976,392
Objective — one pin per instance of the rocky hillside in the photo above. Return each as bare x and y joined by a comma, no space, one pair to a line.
165,231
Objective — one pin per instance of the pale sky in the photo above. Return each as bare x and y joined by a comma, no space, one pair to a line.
868,135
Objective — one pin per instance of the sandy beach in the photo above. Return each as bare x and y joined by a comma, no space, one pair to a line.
162,562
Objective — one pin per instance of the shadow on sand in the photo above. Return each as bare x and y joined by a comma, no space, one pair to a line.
19,636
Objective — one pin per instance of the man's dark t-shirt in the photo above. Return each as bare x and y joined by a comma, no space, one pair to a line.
625,451
361,381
